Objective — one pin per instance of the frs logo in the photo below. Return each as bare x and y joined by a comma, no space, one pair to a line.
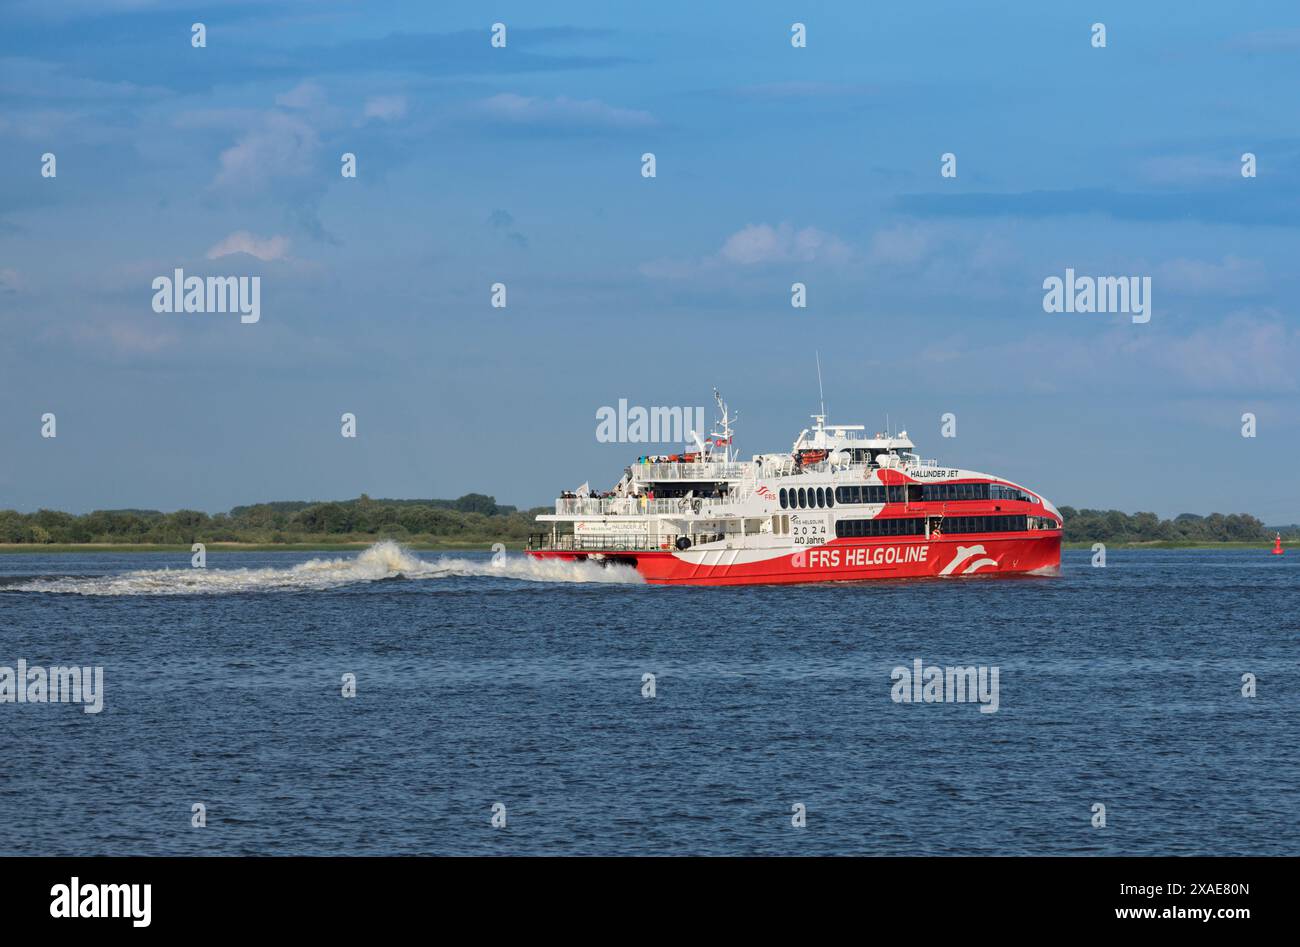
964,553
765,493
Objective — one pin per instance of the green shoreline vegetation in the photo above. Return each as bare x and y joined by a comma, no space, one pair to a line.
476,521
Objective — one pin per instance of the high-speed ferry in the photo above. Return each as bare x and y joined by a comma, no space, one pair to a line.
841,505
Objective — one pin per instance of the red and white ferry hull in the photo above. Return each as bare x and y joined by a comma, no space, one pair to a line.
843,560
841,506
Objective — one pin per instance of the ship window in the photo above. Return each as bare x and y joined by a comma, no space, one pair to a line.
803,498
985,524
893,526
821,498
830,497
1001,492
782,498
969,491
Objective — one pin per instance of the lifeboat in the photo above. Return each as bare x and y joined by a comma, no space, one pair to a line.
808,457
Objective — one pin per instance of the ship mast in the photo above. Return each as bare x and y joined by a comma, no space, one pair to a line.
724,436
821,395
820,429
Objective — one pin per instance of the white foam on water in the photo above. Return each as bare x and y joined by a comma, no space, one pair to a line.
385,560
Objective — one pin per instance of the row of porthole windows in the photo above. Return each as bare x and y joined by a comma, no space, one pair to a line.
869,494
893,526
807,498
915,526
984,524
816,498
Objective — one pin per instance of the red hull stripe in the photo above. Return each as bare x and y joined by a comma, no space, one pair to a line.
848,560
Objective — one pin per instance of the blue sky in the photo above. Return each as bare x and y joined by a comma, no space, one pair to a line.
522,165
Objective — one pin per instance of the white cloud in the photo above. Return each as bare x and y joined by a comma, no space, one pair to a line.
763,243
561,112
1252,351
241,241
807,89
385,108
11,280
304,95
1248,351
1234,276
758,244
1190,169
899,246
23,78
283,147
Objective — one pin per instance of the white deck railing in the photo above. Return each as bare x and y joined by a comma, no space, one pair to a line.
710,470
716,470
636,506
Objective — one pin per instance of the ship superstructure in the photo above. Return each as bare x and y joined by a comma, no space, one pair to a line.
840,505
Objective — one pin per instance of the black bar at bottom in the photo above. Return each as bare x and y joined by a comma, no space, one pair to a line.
214,895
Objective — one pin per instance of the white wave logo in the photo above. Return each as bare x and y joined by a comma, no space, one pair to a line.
385,560
964,553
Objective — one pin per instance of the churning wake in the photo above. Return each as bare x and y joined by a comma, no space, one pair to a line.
385,560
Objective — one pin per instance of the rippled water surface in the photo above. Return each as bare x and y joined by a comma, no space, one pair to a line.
521,684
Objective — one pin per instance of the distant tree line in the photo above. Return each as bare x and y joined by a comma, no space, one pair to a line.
474,517
1113,526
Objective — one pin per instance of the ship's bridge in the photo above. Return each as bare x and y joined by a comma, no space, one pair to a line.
849,443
